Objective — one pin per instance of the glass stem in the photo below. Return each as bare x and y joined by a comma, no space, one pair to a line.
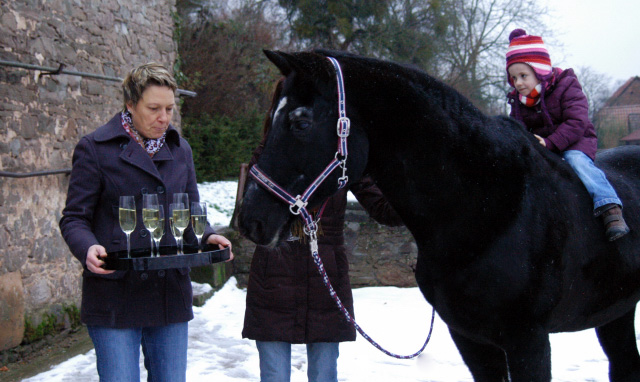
128,247
151,238
181,247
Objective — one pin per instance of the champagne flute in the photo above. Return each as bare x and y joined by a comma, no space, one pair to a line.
174,231
180,215
198,219
127,218
150,215
159,232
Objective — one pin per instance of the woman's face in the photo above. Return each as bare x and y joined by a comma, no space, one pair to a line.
523,78
152,114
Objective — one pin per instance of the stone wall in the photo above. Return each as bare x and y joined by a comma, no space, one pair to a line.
42,118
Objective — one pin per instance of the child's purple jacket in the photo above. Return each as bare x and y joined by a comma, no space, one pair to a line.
568,108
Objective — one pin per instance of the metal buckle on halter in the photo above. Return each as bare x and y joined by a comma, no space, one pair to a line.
347,123
297,206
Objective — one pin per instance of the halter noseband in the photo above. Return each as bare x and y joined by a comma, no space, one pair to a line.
298,204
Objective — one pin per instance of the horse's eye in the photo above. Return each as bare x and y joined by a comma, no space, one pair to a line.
301,118
301,124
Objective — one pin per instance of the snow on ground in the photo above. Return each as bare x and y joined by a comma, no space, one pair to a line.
220,198
397,318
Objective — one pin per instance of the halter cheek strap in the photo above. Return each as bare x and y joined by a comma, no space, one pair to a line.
298,204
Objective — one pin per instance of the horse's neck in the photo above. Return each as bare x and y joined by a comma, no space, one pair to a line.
457,181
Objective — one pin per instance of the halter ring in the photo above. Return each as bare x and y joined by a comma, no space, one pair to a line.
297,205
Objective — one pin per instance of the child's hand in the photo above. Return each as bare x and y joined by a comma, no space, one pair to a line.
540,139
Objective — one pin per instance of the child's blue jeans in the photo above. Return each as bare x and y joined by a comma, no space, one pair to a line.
593,178
275,361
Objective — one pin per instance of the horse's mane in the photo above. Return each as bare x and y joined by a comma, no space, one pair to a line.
511,134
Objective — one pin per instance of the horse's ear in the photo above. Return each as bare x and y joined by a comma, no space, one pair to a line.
282,60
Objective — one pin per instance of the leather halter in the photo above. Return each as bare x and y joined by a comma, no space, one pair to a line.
298,204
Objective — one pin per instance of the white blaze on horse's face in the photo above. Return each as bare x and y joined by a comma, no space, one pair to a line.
281,104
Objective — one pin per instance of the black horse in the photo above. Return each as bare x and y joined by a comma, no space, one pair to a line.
509,249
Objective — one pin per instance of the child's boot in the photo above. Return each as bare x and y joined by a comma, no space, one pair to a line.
614,223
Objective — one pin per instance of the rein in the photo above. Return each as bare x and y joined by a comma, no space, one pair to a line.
298,204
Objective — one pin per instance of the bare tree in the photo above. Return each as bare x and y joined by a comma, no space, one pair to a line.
596,86
472,59
222,59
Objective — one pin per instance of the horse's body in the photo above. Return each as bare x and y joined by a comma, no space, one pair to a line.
509,249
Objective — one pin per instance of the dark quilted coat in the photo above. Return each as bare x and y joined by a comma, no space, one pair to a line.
567,105
286,298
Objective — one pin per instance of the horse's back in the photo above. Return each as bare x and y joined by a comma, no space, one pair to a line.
622,159
622,167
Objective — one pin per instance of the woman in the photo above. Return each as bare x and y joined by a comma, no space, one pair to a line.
287,302
135,153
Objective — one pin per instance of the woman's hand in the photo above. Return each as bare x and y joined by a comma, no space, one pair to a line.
94,264
540,139
222,242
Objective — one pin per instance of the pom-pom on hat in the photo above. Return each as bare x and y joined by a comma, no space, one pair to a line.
529,50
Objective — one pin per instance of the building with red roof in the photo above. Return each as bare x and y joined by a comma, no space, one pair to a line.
618,122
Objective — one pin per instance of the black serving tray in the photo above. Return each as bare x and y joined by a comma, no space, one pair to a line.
140,259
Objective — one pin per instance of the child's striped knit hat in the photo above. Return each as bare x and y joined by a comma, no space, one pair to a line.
529,50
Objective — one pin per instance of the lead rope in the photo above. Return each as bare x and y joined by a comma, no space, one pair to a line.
297,206
325,279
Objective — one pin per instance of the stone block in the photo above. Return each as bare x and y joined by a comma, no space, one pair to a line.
11,310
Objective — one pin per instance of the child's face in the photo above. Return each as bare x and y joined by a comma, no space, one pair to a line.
523,78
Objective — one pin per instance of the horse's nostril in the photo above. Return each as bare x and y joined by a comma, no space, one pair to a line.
252,229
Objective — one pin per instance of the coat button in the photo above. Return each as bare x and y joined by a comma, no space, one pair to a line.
161,273
143,276
144,191
123,145
144,233
160,190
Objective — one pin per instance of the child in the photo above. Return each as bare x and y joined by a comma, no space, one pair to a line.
551,104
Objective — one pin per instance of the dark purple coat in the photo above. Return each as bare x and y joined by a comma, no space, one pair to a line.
286,298
107,164
567,105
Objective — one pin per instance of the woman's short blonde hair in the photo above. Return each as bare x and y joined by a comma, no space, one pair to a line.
141,77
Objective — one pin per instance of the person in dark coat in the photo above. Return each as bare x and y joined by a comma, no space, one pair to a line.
137,152
551,104
287,301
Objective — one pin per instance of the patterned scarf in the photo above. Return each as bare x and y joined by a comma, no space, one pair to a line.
533,98
150,145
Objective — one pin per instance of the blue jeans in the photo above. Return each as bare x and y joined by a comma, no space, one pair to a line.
118,352
275,361
593,178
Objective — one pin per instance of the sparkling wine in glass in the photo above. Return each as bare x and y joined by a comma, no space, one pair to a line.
198,219
150,215
180,215
159,231
127,218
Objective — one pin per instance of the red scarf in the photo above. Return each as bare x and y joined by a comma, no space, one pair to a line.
533,98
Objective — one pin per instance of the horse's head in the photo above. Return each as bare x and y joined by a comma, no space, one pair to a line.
301,141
